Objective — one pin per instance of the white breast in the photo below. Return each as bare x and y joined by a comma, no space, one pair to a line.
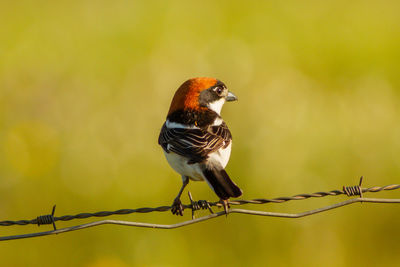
179,164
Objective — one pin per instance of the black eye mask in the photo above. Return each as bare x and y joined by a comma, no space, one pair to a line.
208,96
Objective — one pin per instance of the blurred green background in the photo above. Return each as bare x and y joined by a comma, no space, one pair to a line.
84,90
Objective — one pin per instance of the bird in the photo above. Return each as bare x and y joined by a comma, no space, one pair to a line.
196,140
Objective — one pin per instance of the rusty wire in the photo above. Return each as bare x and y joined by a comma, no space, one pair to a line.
202,204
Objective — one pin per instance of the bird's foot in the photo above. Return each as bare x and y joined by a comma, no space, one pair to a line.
177,207
225,204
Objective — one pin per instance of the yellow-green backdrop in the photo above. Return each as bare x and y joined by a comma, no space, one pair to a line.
84,90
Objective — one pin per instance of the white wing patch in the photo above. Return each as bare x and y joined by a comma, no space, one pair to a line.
171,125
218,121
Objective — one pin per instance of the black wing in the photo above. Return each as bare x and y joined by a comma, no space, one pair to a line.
194,144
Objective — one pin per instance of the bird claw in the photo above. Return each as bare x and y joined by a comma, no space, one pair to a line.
177,207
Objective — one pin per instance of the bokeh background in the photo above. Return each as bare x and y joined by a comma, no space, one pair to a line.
84,90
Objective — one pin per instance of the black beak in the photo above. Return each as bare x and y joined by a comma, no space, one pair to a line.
231,97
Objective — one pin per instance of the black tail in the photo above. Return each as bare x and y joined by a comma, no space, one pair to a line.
223,186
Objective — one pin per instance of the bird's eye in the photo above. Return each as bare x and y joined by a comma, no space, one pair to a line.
218,90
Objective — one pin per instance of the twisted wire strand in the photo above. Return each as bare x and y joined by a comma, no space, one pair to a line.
46,219
202,219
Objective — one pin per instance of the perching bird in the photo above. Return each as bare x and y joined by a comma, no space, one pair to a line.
196,141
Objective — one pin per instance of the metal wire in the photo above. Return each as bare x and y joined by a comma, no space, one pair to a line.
202,204
354,190
201,219
199,203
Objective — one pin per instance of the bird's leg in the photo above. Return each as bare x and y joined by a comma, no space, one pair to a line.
177,207
225,204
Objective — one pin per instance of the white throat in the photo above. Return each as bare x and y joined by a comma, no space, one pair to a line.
217,105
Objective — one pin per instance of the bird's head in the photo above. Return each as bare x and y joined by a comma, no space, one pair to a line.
200,94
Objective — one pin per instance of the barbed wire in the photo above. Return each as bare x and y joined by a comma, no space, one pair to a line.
202,204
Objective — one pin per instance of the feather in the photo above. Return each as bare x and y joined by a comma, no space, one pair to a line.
195,143
222,185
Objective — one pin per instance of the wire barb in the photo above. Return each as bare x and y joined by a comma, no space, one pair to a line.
198,205
355,190
47,219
